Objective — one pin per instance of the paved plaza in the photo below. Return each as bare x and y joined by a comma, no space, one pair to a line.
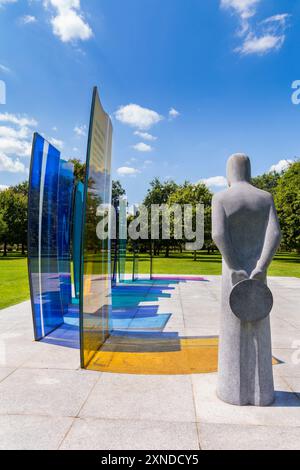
155,383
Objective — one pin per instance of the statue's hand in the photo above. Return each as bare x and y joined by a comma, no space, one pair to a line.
258,274
238,276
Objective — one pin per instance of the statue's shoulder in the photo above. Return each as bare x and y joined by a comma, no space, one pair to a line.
221,196
263,194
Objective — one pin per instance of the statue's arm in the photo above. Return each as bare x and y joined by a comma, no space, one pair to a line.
271,244
221,236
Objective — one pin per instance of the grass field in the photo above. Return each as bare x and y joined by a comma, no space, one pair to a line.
14,281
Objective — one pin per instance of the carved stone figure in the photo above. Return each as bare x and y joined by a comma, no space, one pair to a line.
246,230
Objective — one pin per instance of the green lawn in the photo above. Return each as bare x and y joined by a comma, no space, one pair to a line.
14,282
14,286
284,264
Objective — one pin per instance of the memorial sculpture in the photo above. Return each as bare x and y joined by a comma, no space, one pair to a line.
246,230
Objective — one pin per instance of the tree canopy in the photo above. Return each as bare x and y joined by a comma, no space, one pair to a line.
287,201
285,188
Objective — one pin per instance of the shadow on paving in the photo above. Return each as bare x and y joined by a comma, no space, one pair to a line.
138,343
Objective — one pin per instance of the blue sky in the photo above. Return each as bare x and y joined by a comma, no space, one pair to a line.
187,83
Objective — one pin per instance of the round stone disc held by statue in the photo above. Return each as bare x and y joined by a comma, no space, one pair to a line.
251,300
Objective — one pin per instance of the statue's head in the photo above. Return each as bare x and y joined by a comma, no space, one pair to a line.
238,169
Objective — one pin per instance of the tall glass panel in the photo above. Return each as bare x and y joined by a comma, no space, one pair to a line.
64,216
122,248
77,234
115,245
135,264
95,299
42,238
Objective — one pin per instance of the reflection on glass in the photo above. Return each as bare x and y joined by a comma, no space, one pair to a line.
64,216
42,238
77,233
122,238
95,299
135,267
115,245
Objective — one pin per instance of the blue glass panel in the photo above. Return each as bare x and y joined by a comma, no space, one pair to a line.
77,231
64,216
42,238
135,267
122,245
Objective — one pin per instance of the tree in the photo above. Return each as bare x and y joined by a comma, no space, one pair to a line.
267,182
13,206
22,188
287,200
117,191
159,193
194,194
79,170
3,228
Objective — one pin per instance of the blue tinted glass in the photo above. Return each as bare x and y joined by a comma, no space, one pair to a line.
64,216
77,231
42,238
122,245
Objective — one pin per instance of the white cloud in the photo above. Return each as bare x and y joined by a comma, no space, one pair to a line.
261,45
12,133
261,38
215,182
69,23
22,121
173,113
244,8
69,26
131,161
4,69
5,2
56,143
281,166
281,18
148,162
15,141
80,131
3,187
12,146
127,171
10,165
28,19
137,116
145,136
141,147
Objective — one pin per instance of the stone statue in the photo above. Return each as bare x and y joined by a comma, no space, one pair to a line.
247,232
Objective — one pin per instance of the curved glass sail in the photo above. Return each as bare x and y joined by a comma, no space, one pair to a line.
95,298
64,217
42,238
77,233
122,242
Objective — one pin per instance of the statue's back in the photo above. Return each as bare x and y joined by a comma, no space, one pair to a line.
247,213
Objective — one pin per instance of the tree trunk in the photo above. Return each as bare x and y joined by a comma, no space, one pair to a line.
167,251
5,249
